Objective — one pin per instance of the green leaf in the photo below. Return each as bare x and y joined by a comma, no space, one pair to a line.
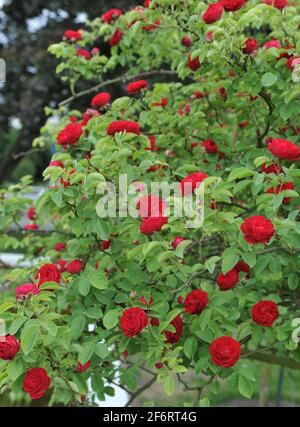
7,306
98,279
269,79
77,326
228,262
169,385
190,347
29,337
15,369
239,173
16,324
111,319
204,318
245,387
86,353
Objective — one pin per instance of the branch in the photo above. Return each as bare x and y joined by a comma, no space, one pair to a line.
266,97
283,361
140,391
25,153
120,79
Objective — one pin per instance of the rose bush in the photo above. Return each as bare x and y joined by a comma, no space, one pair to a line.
210,98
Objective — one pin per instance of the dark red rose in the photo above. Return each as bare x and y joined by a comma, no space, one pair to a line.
82,368
83,53
223,93
73,35
123,126
273,168
154,321
36,382
176,241
280,4
62,265
196,301
9,347
25,290
59,247
31,227
210,146
137,86
280,188
163,103
243,124
228,281
151,205
264,313
101,99
105,244
151,224
186,41
31,214
110,15
189,184
213,13
152,143
116,38
250,46
48,273
225,351
147,3
133,321
75,267
57,163
244,267
174,337
193,64
152,27
70,135
232,5
284,149
159,365
257,229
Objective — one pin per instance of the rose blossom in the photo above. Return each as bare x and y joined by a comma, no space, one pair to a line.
225,351
257,229
133,321
264,313
36,382
196,301
9,347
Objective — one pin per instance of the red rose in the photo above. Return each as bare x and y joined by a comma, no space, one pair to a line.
83,53
213,13
292,62
159,365
152,143
223,93
62,265
284,149
75,267
116,38
73,35
48,273
82,368
257,229
31,213
60,246
123,126
135,87
163,103
196,301
243,124
280,4
193,64
152,27
228,281
147,3
25,290
272,43
101,99
282,187
264,313
151,206
111,14
9,347
210,146
250,46
57,163
174,337
31,227
105,244
225,351
133,321
232,5
154,321
244,267
177,241
273,168
186,41
36,382
189,184
151,224
70,134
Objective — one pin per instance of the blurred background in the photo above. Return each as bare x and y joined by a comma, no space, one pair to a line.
27,28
